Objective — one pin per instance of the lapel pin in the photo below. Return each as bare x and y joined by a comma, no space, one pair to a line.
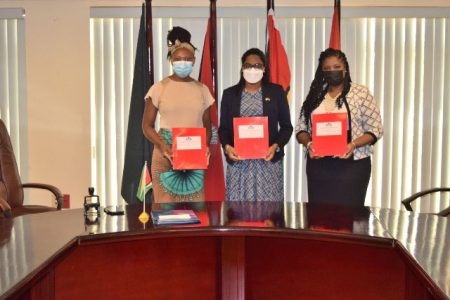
267,99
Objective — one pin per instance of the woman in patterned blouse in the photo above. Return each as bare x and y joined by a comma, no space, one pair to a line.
341,179
255,179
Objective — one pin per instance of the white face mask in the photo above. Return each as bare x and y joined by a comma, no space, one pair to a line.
253,75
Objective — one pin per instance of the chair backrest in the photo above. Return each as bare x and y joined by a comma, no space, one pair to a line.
10,183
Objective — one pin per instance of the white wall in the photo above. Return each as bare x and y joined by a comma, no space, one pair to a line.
57,68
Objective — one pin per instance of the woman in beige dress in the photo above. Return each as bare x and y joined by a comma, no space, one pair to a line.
182,102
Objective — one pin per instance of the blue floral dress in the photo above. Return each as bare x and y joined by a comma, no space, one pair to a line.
254,179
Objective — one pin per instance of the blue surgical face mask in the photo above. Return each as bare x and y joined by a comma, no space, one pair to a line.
182,68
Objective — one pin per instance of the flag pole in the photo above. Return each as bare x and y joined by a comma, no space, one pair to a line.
149,35
214,176
144,181
143,185
213,44
143,217
149,32
267,31
338,3
270,5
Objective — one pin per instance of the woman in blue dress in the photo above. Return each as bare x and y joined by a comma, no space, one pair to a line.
255,179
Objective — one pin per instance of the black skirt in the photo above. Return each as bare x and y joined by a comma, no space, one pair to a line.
338,181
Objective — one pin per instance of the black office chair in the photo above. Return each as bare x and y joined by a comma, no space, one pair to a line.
407,202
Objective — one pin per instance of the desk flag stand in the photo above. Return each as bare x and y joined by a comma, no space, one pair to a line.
145,184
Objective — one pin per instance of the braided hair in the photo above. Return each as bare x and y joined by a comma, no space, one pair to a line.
178,34
319,86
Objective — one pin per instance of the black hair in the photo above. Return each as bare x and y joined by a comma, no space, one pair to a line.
178,33
319,86
262,56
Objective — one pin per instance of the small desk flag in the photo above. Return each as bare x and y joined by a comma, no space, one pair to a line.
145,184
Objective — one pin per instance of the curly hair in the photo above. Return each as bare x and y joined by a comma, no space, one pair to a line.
180,34
319,86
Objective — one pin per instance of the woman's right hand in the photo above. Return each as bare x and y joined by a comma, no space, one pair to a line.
231,153
167,152
310,149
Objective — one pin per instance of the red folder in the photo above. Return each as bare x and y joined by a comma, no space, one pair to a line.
189,149
251,137
329,134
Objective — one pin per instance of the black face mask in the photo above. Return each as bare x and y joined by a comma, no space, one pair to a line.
334,77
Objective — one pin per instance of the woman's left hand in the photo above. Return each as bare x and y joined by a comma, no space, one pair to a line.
4,206
271,152
349,152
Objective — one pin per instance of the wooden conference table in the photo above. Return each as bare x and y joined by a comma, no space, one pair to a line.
239,251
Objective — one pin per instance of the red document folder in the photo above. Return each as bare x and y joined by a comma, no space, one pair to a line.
251,137
329,134
189,149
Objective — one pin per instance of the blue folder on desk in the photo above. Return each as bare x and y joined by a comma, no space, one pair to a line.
173,217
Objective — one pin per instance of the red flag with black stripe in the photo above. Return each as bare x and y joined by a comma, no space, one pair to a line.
279,71
214,176
335,35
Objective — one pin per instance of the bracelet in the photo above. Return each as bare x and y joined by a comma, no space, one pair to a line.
354,145
308,146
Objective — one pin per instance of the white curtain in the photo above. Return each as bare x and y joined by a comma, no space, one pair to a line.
401,59
12,81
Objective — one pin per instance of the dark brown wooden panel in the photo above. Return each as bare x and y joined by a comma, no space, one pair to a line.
418,284
314,269
233,268
44,288
165,268
415,289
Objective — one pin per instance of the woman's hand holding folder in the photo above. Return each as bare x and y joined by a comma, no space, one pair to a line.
271,152
231,152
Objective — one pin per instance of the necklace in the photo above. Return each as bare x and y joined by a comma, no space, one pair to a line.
329,103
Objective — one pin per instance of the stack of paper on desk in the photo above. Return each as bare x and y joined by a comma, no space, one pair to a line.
167,217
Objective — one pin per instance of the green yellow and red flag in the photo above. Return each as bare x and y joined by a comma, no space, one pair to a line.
145,183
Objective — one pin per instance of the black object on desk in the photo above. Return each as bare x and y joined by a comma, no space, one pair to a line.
114,210
91,203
